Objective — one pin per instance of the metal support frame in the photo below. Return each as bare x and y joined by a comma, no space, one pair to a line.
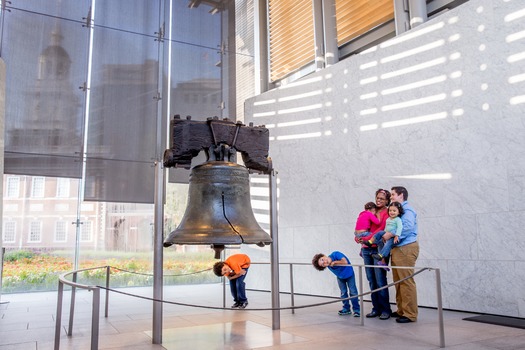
418,12
331,54
274,259
318,34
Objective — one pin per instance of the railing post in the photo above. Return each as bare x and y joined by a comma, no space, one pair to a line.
106,309
95,314
58,321
72,306
361,299
440,309
2,253
291,288
274,254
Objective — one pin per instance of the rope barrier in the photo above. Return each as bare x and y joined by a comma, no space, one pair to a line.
264,309
149,274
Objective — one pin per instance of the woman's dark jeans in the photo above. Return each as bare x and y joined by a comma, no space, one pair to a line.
376,279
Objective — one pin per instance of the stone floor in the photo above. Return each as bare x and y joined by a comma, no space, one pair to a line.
27,322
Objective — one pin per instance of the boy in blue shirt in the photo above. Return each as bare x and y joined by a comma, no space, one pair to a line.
345,278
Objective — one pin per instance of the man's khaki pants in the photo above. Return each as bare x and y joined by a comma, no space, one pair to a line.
406,291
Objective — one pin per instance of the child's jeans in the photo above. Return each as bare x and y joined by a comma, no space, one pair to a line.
238,289
345,285
384,248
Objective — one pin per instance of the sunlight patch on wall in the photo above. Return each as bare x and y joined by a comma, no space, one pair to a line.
515,36
299,122
300,83
368,65
263,114
368,111
516,78
516,100
414,68
299,136
415,102
299,96
515,15
415,85
300,109
516,57
442,176
411,35
415,120
413,52
264,102
367,96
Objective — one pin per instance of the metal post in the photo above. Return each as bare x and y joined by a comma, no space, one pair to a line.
331,54
158,255
401,17
261,54
58,321
361,298
223,282
440,309
274,260
106,308
2,252
318,34
418,12
95,314
291,288
72,306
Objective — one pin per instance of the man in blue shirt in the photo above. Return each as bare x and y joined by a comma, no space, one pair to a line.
405,253
337,263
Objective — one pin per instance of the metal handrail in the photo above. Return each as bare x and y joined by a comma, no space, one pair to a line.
96,297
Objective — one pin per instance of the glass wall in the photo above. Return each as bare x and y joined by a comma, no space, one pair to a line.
90,88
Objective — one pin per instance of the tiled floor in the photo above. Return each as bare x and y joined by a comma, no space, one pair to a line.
27,322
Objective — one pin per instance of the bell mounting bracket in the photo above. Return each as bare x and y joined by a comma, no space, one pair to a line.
221,139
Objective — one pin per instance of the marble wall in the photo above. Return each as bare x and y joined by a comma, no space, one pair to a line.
439,110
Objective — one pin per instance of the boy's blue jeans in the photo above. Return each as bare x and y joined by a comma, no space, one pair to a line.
238,289
345,285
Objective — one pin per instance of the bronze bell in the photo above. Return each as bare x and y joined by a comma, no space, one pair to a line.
219,211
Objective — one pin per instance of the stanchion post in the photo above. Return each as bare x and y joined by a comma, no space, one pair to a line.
440,309
361,299
72,306
95,315
274,256
2,253
106,308
291,288
58,322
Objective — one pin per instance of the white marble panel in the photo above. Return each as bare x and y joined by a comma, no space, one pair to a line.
456,235
463,165
501,236
483,286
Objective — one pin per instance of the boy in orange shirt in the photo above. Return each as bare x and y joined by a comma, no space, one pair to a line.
235,269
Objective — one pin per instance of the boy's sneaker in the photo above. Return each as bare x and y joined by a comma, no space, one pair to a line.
380,263
243,305
357,314
344,312
236,305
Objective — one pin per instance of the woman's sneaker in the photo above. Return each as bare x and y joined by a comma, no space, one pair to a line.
236,305
357,314
243,305
344,312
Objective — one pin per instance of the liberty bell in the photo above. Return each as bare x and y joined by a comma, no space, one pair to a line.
219,210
